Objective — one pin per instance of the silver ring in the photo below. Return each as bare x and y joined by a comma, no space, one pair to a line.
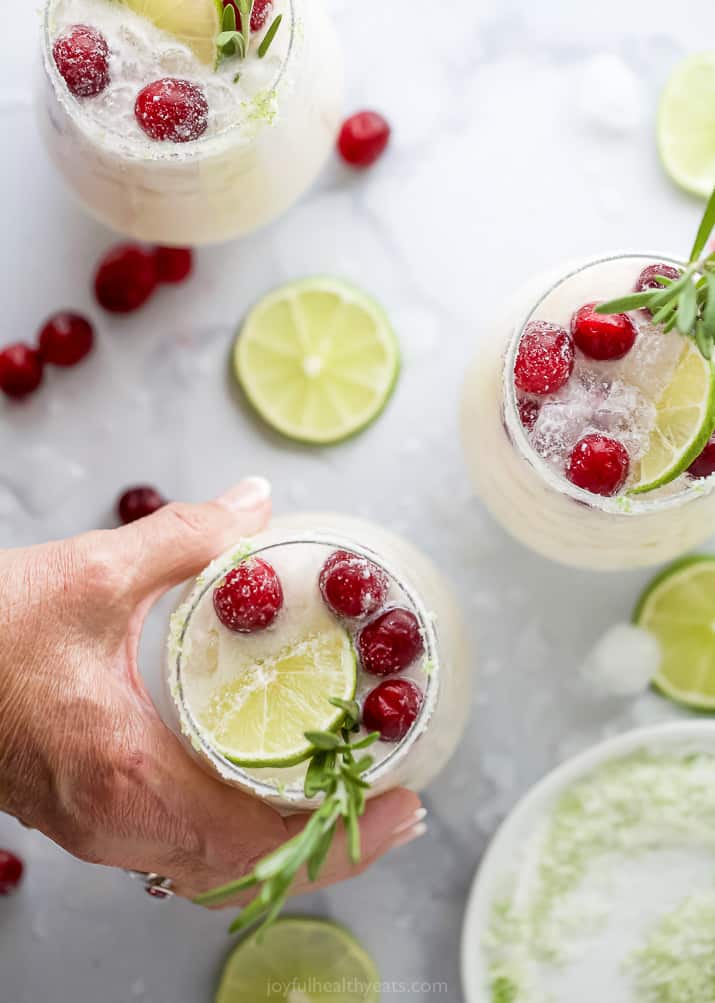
154,884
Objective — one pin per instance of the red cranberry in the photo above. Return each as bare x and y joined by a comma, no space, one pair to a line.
250,597
66,339
126,278
545,359
136,503
82,57
648,279
599,465
363,138
20,370
528,412
392,708
390,643
704,465
353,586
11,871
259,15
603,335
172,110
174,264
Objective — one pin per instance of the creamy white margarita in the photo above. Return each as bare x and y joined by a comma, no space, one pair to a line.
404,648
268,123
561,412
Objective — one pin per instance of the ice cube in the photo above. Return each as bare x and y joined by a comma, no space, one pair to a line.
565,417
623,662
627,415
651,363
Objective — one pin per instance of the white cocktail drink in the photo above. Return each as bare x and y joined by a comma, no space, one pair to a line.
206,660
271,124
526,452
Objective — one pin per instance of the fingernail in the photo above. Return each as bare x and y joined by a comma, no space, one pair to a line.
250,494
410,823
409,836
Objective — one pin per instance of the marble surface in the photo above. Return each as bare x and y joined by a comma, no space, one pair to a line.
524,134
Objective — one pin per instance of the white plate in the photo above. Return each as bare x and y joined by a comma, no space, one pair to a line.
498,860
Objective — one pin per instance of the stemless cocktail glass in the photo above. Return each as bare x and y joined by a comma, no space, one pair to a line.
271,126
533,501
442,673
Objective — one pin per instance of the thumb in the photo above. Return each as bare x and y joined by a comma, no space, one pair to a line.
179,540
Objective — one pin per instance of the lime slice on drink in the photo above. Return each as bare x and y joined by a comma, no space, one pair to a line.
194,23
260,715
678,608
686,125
317,359
685,417
300,961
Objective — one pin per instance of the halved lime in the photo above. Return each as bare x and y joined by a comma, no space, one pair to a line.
686,124
300,960
194,23
684,422
678,607
260,716
317,359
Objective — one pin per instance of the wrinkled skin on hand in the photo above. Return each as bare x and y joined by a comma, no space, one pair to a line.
84,756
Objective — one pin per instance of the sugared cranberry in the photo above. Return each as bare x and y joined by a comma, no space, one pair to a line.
648,279
353,586
528,412
11,871
545,359
66,339
174,264
392,708
171,110
704,465
363,138
602,335
126,278
82,57
250,597
259,15
136,503
390,643
20,370
598,464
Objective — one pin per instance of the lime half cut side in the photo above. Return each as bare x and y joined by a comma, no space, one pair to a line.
260,715
678,608
686,125
300,961
317,359
685,417
194,23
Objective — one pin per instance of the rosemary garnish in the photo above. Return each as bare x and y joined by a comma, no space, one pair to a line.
335,772
686,303
232,42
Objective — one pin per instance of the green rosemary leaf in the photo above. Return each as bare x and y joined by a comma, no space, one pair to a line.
709,308
705,229
366,742
318,857
228,22
703,341
625,303
320,774
269,36
244,7
218,895
352,711
326,741
663,315
687,309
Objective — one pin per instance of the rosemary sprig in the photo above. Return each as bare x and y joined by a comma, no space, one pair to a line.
231,41
335,772
686,303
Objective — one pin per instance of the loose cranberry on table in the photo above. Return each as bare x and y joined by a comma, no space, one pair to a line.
173,264
171,110
126,278
11,871
599,464
392,708
66,339
20,370
602,336
545,359
352,586
363,138
82,57
390,643
138,502
250,597
704,465
259,14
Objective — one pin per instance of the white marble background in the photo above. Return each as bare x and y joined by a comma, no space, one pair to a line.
524,134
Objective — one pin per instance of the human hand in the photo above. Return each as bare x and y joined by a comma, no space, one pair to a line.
84,755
